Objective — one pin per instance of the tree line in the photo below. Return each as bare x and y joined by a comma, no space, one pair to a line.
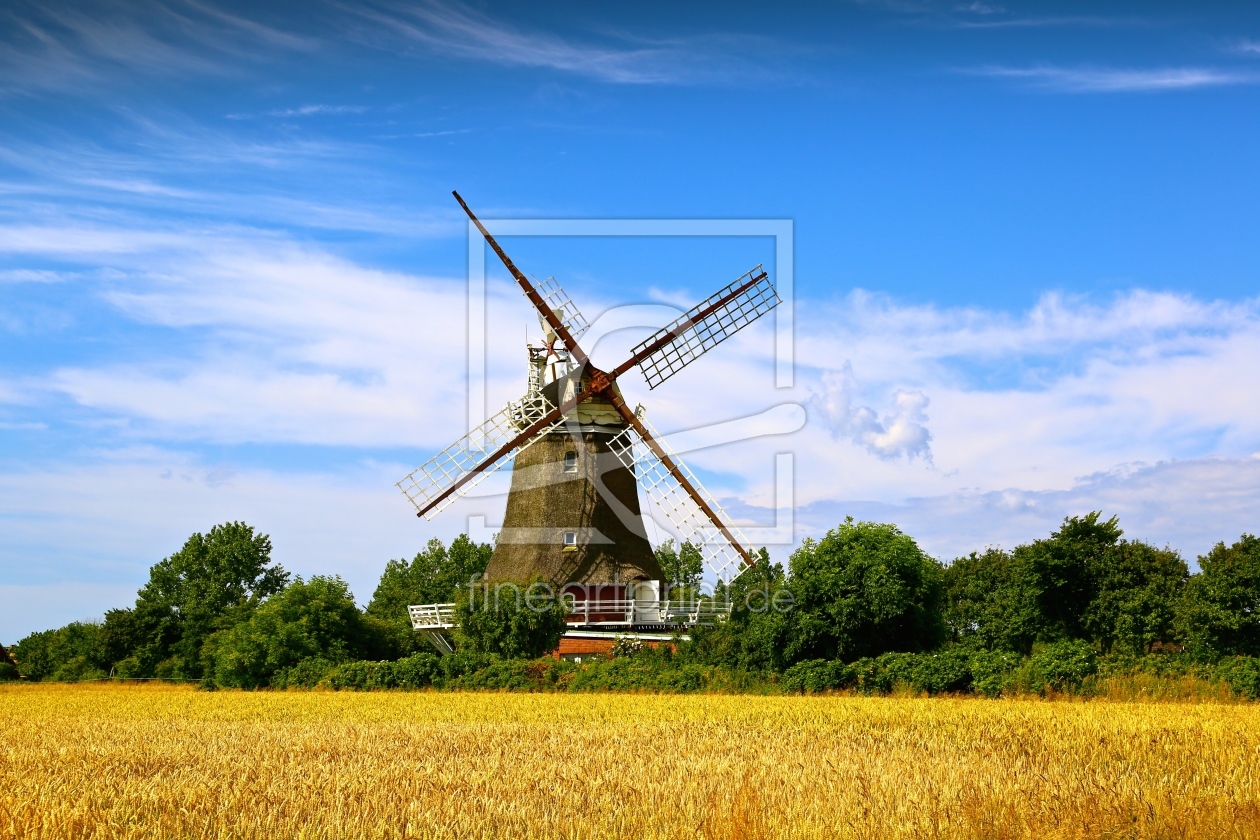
868,609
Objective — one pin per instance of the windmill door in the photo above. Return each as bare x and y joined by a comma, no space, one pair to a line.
647,601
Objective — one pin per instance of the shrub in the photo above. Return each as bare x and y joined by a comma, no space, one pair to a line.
991,671
658,673
947,671
505,674
511,619
8,671
511,674
360,674
306,674
626,646
76,669
1242,673
416,671
932,673
308,619
816,675
1063,666
460,663
68,653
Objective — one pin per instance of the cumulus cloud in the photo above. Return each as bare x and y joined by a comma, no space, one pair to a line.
900,431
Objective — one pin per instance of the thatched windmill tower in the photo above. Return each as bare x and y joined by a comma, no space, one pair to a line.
581,454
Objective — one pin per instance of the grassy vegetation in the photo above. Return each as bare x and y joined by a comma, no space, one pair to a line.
106,760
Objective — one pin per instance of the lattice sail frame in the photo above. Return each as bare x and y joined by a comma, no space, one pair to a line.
688,520
559,301
432,478
698,338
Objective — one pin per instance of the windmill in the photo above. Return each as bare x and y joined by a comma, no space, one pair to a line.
581,455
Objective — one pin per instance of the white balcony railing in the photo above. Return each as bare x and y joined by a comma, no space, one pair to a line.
596,613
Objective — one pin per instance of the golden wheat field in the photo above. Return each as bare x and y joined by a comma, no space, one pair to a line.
162,761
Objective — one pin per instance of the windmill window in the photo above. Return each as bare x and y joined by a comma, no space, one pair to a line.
570,540
570,462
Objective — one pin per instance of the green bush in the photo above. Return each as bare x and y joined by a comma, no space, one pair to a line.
510,619
416,671
308,619
460,663
816,675
1242,673
659,673
1064,666
359,674
306,674
892,671
948,671
932,673
503,674
991,671
8,671
76,669
69,653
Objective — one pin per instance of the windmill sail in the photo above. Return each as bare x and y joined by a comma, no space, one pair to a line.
560,303
547,312
466,462
704,326
721,557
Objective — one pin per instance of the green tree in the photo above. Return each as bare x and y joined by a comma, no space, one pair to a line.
433,576
990,602
1219,613
8,668
510,618
755,637
862,590
308,619
66,654
1067,570
683,567
1137,587
211,583
1083,582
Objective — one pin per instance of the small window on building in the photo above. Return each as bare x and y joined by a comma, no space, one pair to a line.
570,462
570,540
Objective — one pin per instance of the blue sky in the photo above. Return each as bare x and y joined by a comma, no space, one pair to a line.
232,278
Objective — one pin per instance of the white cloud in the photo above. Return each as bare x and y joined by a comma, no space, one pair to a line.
455,29
93,528
979,8
1189,505
900,432
31,275
65,46
317,110
270,341
297,345
1117,80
